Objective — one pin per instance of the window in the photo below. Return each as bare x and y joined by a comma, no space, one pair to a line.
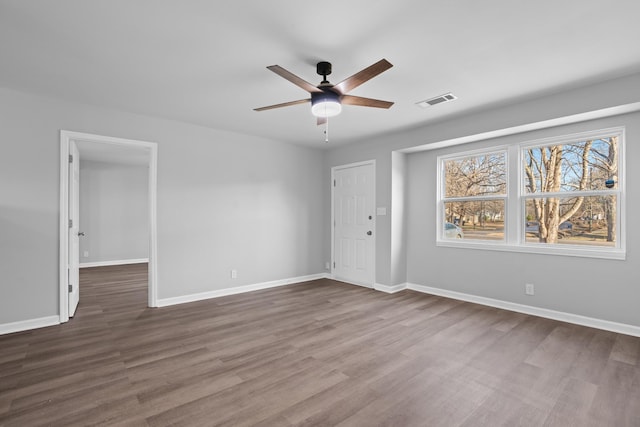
475,189
562,195
571,191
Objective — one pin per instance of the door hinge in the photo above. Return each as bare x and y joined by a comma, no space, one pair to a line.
334,264
70,158
70,288
334,182
70,223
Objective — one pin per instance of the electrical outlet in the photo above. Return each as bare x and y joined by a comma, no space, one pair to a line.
327,266
529,289
86,254
234,274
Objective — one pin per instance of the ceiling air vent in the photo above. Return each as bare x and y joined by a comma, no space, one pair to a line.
437,100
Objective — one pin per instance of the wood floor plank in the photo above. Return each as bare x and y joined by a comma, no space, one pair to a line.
626,349
331,406
617,395
319,353
560,349
572,406
593,358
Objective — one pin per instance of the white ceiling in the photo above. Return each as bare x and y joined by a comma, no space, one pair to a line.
203,62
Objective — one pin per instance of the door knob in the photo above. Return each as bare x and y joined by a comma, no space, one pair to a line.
80,233
369,233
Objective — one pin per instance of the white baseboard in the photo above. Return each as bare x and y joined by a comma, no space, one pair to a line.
116,262
577,319
389,289
25,325
164,302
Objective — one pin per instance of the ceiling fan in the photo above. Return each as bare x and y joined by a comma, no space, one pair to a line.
327,99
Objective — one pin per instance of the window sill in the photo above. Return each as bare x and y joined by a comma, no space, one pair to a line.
565,250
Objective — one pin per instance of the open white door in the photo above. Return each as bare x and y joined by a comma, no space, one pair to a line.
354,224
74,230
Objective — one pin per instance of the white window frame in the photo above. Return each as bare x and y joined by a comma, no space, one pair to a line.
442,199
516,196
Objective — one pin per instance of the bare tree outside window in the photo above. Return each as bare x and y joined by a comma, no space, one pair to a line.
571,184
471,185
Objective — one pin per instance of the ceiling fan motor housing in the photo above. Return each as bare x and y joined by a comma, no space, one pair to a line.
323,68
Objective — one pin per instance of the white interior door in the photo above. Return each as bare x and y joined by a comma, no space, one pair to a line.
354,224
74,230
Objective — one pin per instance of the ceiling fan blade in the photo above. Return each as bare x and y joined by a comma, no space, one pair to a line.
321,120
364,102
360,77
284,104
294,79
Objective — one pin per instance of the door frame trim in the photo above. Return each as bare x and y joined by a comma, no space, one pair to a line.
334,169
65,139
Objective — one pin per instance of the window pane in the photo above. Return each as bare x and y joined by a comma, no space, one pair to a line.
579,166
477,220
475,176
576,221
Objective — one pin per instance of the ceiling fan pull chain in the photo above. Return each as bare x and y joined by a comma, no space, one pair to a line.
326,131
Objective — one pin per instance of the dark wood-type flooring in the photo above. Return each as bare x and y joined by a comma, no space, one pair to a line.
320,353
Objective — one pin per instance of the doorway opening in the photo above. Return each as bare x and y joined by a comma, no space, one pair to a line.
73,147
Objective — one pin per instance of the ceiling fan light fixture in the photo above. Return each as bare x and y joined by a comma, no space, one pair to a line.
325,104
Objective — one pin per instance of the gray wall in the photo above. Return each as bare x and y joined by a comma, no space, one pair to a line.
225,201
395,267
114,211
